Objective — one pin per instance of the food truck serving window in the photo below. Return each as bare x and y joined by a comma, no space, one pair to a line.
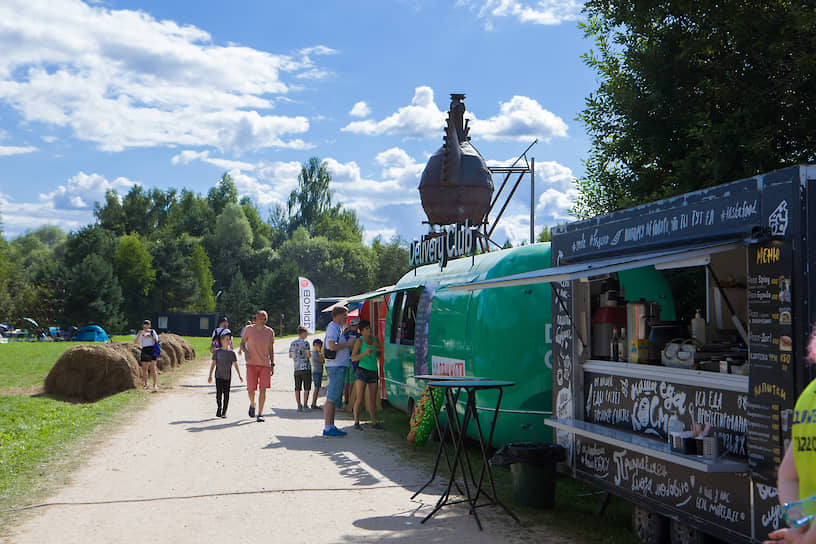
403,323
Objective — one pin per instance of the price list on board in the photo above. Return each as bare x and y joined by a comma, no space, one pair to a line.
771,348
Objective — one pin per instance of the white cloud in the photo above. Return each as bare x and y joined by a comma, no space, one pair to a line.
83,190
360,109
7,150
422,119
122,79
540,12
520,119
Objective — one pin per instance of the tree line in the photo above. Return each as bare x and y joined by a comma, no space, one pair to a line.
163,251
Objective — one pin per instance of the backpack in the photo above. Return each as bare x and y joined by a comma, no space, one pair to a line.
157,345
215,343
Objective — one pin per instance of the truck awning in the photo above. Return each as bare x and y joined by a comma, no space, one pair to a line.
608,265
381,292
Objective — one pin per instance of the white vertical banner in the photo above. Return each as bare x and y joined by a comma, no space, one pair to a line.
307,304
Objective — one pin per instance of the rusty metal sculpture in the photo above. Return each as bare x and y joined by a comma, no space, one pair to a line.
456,184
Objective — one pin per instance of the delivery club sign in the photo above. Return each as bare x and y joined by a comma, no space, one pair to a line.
306,292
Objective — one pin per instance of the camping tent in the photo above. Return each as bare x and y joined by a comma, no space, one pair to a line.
91,333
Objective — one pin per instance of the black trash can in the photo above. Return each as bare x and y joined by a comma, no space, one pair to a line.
533,467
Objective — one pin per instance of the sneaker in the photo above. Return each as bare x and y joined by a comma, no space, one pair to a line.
357,426
251,411
334,432
300,408
316,407
376,425
224,414
260,419
218,413
306,408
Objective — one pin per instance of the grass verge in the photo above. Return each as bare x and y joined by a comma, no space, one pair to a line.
42,438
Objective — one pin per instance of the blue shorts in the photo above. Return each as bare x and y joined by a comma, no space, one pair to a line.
337,381
317,379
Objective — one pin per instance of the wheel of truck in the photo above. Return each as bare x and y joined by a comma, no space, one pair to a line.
680,533
649,527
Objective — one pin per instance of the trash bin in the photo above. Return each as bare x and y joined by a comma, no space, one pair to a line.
533,467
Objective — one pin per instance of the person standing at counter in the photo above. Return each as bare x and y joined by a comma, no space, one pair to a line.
338,351
797,472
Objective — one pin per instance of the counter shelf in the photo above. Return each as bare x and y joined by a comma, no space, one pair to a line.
646,446
641,371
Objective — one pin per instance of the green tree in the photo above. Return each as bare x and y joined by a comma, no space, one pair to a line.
545,235
261,232
200,263
89,240
339,224
222,194
133,266
93,294
693,94
136,208
391,261
312,197
236,301
231,244
176,284
110,215
190,214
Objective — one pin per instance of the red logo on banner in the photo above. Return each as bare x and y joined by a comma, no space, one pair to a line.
304,283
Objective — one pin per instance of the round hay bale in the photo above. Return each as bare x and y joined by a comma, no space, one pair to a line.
90,373
128,349
187,347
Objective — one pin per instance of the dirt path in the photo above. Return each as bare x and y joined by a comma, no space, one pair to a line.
178,474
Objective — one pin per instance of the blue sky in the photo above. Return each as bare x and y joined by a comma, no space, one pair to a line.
105,95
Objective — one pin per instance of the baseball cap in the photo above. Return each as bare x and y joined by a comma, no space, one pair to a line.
226,332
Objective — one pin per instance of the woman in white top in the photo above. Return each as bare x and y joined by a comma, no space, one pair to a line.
147,338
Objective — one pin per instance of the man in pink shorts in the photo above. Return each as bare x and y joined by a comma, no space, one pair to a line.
258,345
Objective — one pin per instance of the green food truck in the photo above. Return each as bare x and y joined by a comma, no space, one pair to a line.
429,327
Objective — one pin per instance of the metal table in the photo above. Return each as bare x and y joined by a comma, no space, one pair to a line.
457,431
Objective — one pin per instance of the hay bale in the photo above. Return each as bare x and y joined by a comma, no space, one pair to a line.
128,349
187,347
90,373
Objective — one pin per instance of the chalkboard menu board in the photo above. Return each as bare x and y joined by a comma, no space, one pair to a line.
772,344
718,499
562,348
702,215
653,407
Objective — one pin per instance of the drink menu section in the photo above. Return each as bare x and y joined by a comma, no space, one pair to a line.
771,354
655,407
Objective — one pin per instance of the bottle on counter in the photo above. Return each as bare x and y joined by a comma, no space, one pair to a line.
622,351
613,345
698,329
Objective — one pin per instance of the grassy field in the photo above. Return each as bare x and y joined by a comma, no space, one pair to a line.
41,437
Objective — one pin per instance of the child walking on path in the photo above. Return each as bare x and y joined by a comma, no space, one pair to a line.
299,352
317,370
223,360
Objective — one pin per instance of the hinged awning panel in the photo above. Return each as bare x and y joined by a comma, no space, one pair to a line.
604,266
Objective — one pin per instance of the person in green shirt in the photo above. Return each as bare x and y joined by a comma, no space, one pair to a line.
797,472
364,353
